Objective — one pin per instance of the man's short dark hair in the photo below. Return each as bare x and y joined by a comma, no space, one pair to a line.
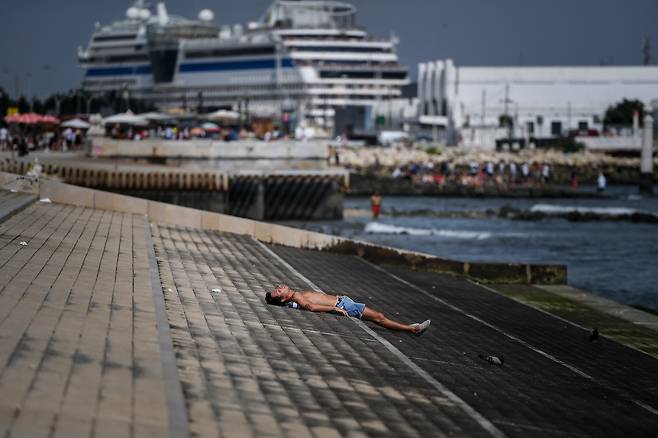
275,301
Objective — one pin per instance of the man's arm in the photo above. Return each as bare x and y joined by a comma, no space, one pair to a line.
307,305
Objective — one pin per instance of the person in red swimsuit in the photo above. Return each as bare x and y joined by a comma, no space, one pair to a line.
376,205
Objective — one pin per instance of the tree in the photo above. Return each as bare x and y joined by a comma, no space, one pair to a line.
23,105
621,114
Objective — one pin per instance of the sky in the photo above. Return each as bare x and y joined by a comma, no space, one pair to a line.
39,38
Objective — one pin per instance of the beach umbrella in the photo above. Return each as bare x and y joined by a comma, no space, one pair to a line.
197,132
127,118
222,115
27,118
75,124
210,127
49,119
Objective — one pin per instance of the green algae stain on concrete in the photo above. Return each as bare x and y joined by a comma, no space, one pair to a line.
610,326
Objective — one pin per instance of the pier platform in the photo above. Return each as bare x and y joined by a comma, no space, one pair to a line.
126,317
261,194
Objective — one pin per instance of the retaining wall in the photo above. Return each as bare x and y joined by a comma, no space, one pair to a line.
209,149
276,234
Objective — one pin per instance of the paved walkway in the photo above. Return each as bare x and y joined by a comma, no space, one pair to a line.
78,346
111,327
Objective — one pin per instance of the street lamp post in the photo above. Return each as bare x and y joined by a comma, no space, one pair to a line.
646,162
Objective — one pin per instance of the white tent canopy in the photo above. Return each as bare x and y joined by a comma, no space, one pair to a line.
222,115
75,124
155,116
127,118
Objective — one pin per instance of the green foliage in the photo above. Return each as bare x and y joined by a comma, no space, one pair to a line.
570,145
505,121
621,114
433,150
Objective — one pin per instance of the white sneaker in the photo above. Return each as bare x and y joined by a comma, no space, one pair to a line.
421,327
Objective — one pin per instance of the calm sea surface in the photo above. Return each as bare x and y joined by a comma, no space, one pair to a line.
618,260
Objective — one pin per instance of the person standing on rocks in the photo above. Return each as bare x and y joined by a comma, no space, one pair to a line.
512,172
525,171
601,183
574,178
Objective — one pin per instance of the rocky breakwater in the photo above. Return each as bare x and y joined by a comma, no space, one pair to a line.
373,170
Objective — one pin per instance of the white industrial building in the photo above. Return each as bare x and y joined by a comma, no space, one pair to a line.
465,105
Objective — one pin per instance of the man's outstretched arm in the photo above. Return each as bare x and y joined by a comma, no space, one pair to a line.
307,305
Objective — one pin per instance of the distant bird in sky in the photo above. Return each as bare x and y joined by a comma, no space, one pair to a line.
493,360
594,336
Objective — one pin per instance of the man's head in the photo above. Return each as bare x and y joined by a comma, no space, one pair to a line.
278,296
275,301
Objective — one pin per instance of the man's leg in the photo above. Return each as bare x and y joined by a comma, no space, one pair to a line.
380,319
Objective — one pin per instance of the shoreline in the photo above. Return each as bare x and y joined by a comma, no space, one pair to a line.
517,214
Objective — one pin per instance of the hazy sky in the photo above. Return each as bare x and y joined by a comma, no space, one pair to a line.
39,38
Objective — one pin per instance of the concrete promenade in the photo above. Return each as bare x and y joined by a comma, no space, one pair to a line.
117,323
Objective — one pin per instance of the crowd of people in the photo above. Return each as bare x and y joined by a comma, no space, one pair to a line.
22,141
171,133
479,174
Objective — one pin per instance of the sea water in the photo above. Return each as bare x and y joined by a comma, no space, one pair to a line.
615,259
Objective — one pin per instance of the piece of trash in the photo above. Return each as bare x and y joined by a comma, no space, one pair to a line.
594,336
216,290
493,360
13,191
45,200
23,243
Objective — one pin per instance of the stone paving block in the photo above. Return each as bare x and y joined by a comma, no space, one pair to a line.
112,428
73,427
32,424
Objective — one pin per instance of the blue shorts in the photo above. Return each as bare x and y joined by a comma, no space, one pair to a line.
353,309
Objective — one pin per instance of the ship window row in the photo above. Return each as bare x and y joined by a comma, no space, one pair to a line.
346,96
339,49
354,86
101,38
216,53
117,83
341,63
113,49
323,38
363,75
245,90
110,59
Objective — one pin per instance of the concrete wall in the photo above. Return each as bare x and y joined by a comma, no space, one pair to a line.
161,213
210,149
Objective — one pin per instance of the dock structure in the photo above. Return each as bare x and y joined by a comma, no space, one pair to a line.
260,195
122,316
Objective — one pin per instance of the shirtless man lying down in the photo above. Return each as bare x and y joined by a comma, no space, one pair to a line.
319,302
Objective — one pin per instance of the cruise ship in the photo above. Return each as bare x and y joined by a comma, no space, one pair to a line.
305,58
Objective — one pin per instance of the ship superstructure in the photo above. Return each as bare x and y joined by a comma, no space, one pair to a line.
307,57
